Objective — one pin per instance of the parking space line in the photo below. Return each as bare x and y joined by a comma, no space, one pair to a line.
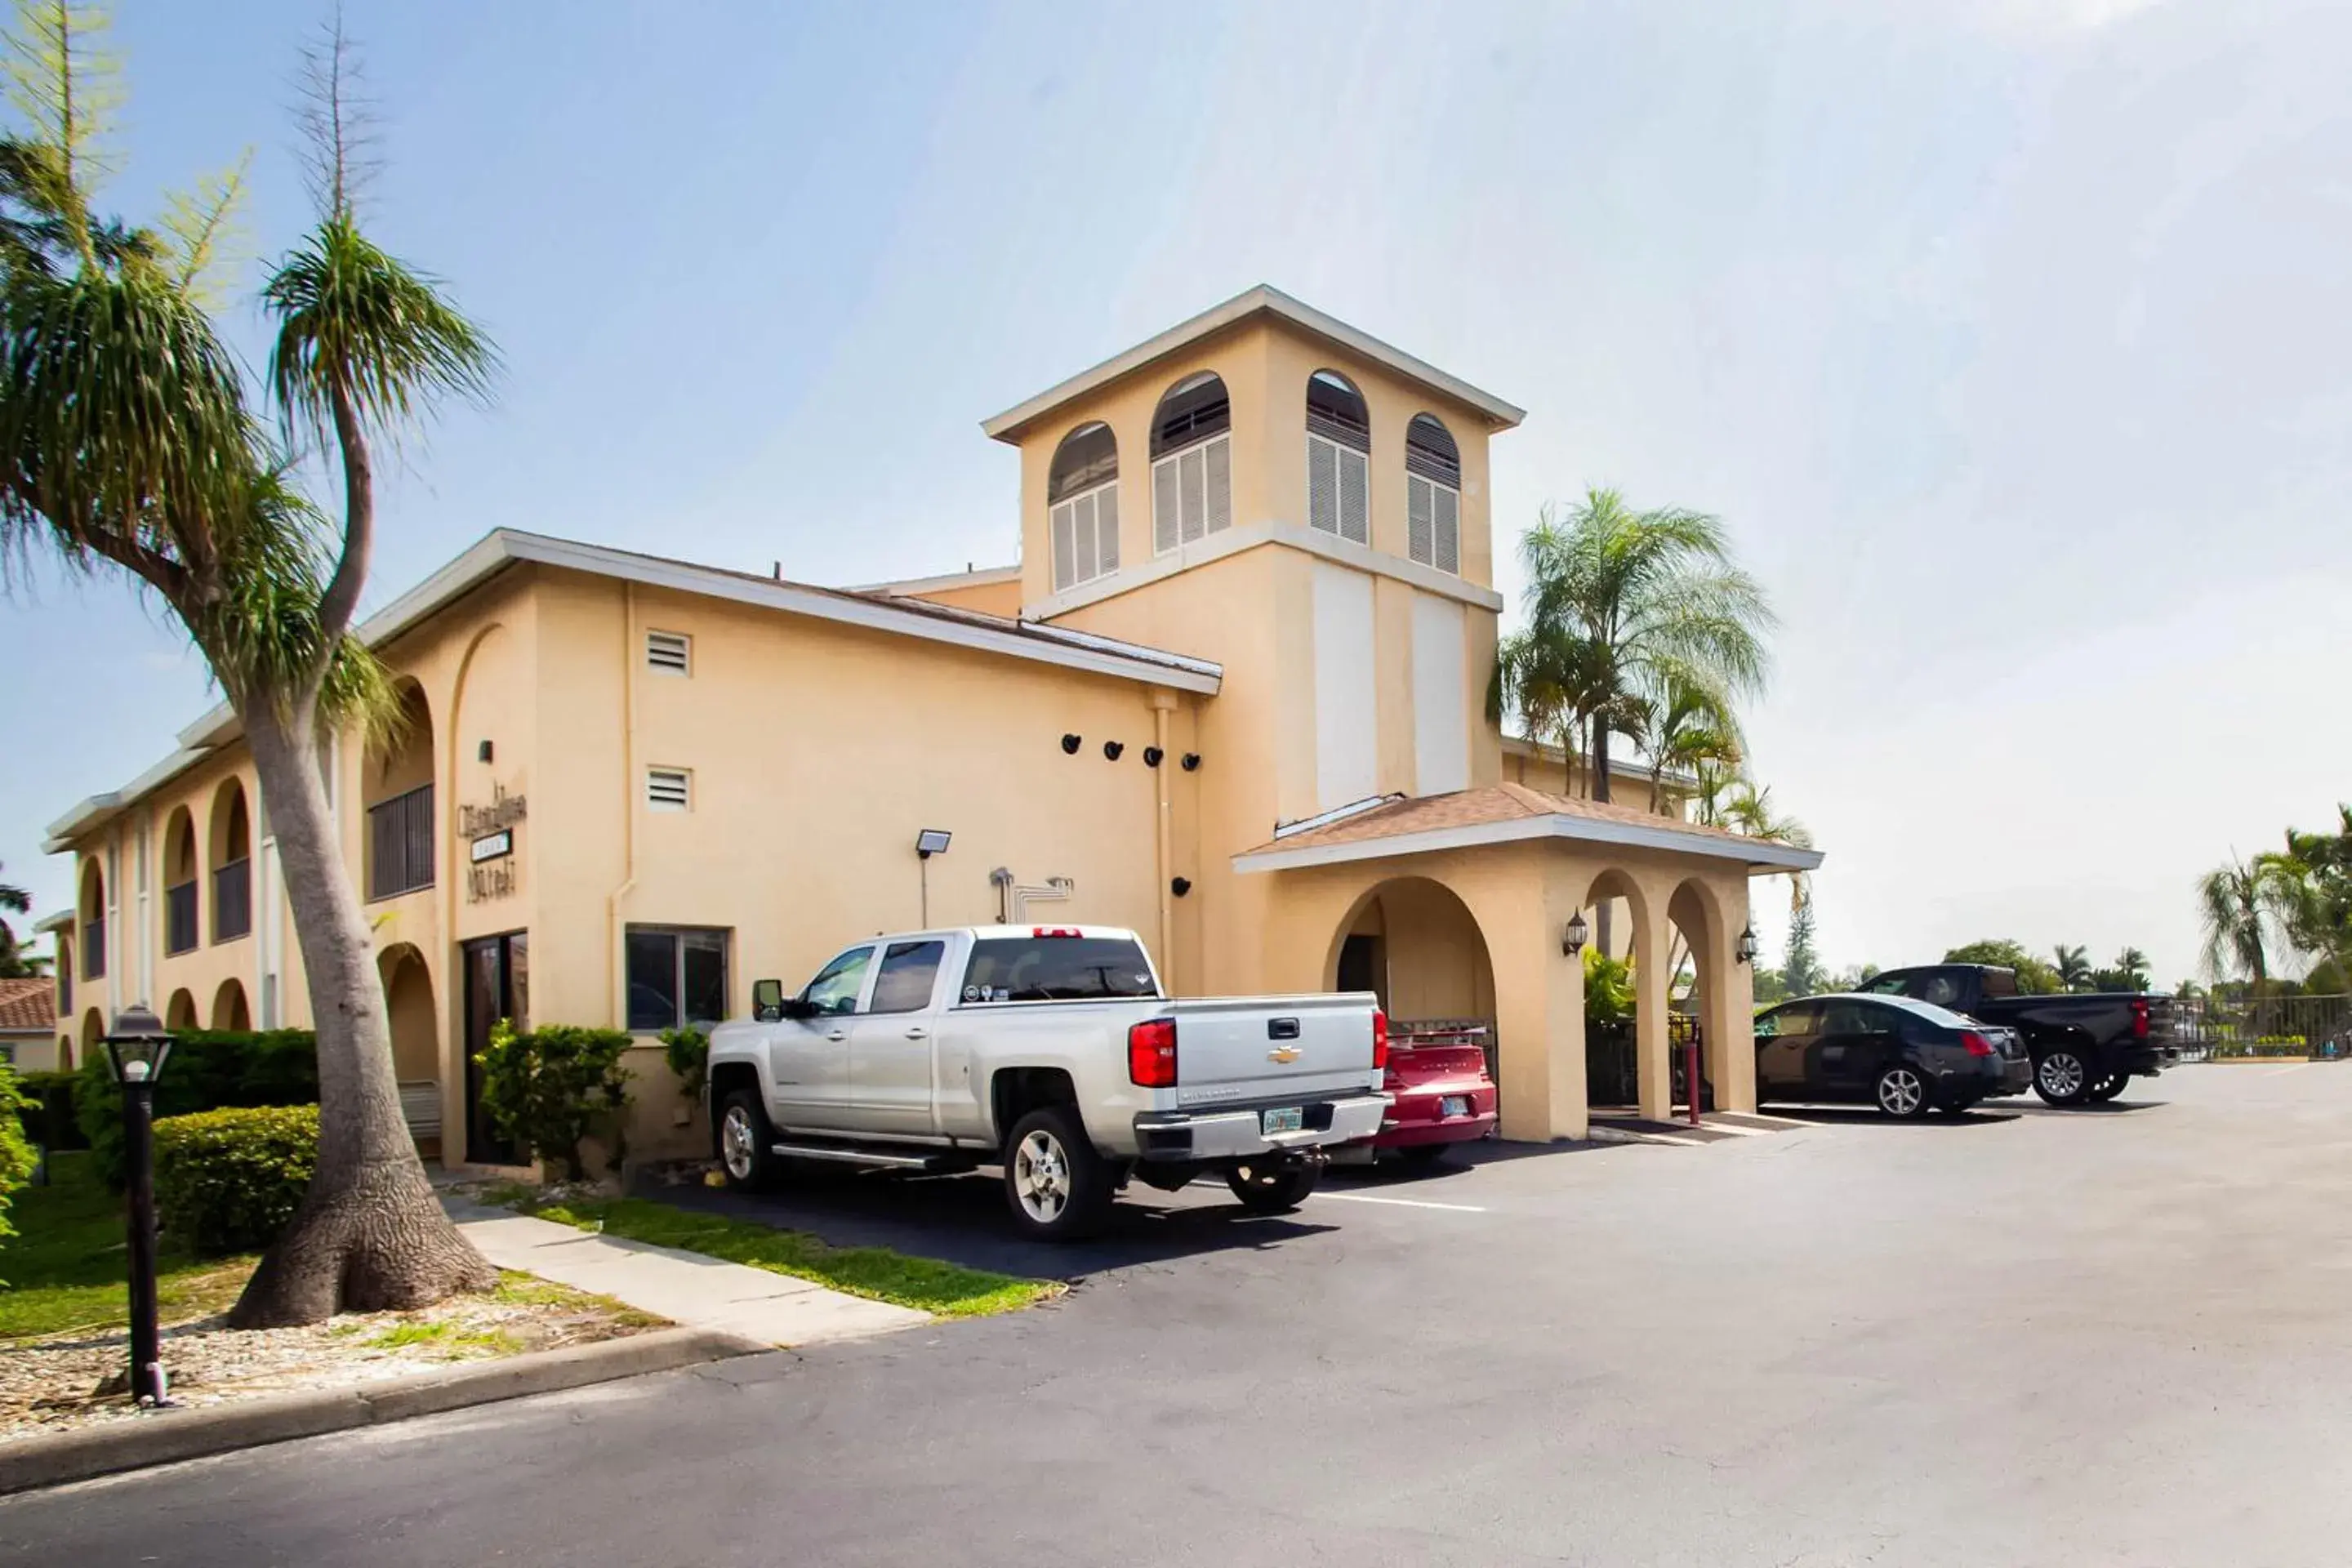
2292,1067
1401,1202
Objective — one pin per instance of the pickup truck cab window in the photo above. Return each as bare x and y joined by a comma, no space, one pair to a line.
838,984
910,972
1056,969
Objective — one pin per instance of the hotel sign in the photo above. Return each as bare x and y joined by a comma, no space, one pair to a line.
489,831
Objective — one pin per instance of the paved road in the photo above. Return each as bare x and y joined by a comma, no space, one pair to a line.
2109,1337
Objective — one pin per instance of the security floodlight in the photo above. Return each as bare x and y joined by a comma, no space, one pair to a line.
932,841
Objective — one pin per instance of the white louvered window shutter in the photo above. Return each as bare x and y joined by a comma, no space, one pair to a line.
1084,567
1448,530
1085,538
1322,485
1191,494
1107,529
1355,509
671,653
1164,522
1191,490
668,789
1065,546
1418,509
1219,457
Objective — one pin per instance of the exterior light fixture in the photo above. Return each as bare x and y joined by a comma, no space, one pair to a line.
1153,756
1111,749
482,752
136,1049
1179,885
1572,938
1070,744
1746,946
932,841
1191,760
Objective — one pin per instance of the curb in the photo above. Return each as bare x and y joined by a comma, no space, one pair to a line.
169,1437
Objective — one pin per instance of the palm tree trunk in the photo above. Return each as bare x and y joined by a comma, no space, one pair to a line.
370,1235
1600,759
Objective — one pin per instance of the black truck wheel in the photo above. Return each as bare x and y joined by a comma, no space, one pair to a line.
1272,1189
2060,1076
2109,1088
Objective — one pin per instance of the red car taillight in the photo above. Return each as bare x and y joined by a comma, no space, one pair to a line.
1379,1038
1151,1053
2139,1017
1977,1044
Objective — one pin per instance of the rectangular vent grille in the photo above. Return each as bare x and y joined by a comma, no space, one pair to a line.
668,652
668,789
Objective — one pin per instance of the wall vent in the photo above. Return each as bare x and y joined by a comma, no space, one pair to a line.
672,652
669,789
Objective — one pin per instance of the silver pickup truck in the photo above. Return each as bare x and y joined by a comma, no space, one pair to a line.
1048,1050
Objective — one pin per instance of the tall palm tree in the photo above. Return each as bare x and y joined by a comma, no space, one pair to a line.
128,438
2073,967
1650,599
1749,812
2234,906
2131,964
15,964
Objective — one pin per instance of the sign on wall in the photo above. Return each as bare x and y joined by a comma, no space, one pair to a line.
489,831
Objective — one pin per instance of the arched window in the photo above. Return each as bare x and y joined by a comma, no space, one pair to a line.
1191,463
1433,494
232,859
396,787
93,921
180,883
1338,462
1081,501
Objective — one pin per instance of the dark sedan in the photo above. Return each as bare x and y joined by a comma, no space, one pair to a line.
1905,1057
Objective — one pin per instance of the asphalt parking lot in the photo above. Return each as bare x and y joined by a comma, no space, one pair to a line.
2111,1336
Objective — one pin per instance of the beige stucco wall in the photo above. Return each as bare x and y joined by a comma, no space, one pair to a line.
990,598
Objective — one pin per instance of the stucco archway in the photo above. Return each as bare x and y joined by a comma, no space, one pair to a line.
1697,948
179,1012
229,1009
409,1011
1625,1058
93,1032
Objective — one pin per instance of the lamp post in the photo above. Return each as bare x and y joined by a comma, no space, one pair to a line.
136,1049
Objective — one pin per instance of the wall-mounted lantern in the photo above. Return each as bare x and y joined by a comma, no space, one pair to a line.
1179,885
1070,746
1153,756
1746,946
1572,938
1191,760
1112,749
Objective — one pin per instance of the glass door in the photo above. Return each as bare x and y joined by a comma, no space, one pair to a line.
497,986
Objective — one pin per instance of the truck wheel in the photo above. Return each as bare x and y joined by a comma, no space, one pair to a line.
2109,1088
1059,1189
2060,1076
1902,1093
747,1143
1272,1189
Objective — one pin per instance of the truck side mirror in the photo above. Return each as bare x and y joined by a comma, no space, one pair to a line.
767,1000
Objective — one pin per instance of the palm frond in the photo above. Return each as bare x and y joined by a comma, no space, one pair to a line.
207,240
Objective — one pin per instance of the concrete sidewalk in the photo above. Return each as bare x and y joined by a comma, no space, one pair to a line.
687,1288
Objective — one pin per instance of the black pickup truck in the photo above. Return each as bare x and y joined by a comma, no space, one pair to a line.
2086,1045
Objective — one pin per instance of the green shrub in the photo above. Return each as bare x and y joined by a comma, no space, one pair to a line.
47,1112
551,1087
229,1180
15,1150
688,1051
208,1070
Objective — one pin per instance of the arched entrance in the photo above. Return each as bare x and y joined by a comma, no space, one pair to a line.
1619,1076
1695,937
1412,943
229,1011
179,1012
415,1025
93,1034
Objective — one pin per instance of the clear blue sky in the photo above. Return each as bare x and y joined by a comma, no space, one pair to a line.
2009,338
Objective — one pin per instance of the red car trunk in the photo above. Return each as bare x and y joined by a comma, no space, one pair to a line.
1444,1093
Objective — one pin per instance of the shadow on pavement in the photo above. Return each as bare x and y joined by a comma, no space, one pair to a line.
2112,1108
1869,1116
1458,1161
962,1219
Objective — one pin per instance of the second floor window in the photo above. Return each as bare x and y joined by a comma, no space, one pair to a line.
400,844
1191,463
1082,504
1339,458
1433,494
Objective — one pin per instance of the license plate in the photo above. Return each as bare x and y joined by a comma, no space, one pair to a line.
1291,1119
1453,1105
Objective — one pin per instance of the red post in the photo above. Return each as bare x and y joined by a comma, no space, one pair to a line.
1690,1075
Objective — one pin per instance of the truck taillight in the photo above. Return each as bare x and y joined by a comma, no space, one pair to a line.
1379,1038
1977,1044
2139,1017
1151,1053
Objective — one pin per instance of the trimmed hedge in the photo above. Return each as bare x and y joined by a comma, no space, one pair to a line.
208,1070
550,1088
48,1111
230,1180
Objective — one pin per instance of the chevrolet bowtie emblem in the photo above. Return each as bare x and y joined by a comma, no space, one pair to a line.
1286,1054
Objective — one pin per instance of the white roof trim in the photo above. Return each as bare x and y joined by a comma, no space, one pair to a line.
62,920
1758,854
1500,416
1337,813
1234,541
501,548
909,587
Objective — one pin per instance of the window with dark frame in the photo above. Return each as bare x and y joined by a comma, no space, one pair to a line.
677,976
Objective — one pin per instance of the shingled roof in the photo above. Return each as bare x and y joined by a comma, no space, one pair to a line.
27,1006
1505,813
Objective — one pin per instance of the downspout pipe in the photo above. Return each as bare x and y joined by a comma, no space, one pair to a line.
1163,703
614,953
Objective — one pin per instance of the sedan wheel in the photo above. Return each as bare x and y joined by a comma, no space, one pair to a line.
2060,1078
1902,1093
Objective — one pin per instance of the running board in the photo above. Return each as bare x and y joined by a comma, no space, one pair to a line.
859,1156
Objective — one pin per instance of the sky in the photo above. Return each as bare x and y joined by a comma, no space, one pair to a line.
2009,340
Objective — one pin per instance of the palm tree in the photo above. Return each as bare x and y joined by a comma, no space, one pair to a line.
2233,905
2131,966
1542,676
1646,599
1692,730
129,440
2073,967
15,964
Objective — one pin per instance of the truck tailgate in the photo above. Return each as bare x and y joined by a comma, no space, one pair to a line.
1241,1050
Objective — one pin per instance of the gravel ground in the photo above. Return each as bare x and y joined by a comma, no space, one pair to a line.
73,1379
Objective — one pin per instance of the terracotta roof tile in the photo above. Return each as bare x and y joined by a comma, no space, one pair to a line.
27,1004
